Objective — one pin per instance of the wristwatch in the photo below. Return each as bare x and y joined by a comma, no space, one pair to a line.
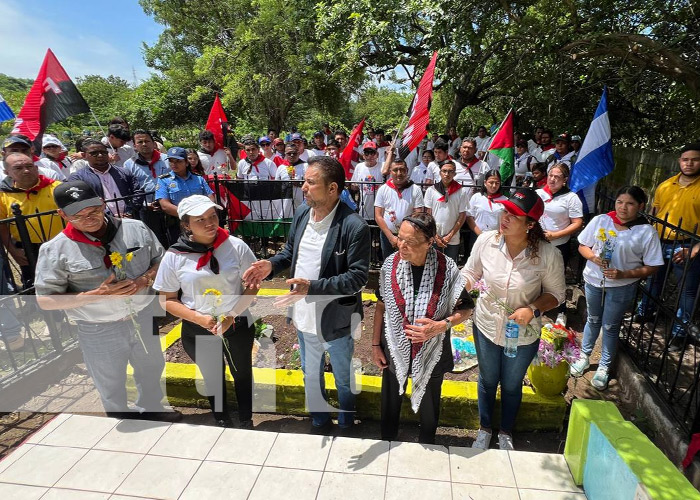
448,324
535,311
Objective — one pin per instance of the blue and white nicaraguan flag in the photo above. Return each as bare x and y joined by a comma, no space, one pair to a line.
595,160
5,111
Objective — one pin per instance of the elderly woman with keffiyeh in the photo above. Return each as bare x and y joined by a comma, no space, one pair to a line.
421,296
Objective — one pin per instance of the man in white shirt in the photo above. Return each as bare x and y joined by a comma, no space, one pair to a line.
116,141
396,199
366,179
545,147
304,154
454,143
327,255
440,151
446,201
471,170
54,156
213,160
534,143
562,152
482,141
319,148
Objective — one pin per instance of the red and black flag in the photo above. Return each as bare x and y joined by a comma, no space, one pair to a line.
349,156
217,123
52,98
419,112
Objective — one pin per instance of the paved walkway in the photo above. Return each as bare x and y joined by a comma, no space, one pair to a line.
80,457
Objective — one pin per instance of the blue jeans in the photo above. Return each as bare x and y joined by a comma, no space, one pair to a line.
109,347
494,368
655,283
311,352
607,315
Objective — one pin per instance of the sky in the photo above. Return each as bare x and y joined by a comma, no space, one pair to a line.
95,37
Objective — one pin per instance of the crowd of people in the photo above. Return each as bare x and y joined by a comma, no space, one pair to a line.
125,218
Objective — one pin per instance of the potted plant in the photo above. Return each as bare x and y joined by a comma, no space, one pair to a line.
549,371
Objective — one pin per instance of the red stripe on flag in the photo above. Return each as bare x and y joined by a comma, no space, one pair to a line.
417,126
215,122
346,156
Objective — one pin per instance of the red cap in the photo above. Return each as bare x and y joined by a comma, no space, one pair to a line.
278,141
369,145
524,202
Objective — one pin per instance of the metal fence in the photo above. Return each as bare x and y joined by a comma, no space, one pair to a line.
664,346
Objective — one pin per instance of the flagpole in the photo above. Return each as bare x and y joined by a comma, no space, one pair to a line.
102,130
499,128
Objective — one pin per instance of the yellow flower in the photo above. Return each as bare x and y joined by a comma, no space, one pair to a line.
116,259
459,328
129,256
612,234
221,318
212,291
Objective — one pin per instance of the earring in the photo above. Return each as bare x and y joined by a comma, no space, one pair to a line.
527,231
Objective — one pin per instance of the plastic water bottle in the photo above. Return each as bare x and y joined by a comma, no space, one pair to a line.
510,348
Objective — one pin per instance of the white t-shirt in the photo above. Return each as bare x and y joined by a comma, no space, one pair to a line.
567,160
125,152
265,170
635,247
216,163
434,168
285,173
363,173
446,214
486,213
482,143
395,208
308,153
178,271
453,147
477,169
309,266
421,172
558,212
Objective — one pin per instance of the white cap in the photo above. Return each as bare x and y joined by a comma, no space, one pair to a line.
195,205
49,140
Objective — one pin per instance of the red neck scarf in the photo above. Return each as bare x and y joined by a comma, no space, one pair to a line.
542,182
639,220
154,159
41,184
399,192
257,162
472,162
547,190
451,189
493,196
183,244
547,147
76,235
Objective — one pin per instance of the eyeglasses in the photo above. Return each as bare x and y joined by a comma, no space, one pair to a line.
291,154
95,215
369,153
98,153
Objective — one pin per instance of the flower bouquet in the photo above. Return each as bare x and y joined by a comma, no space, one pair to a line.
117,261
549,371
216,301
607,241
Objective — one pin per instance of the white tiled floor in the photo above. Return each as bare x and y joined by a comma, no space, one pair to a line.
95,458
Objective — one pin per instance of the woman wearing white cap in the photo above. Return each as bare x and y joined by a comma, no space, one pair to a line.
206,265
54,156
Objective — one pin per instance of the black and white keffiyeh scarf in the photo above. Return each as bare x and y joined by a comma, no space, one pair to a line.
437,294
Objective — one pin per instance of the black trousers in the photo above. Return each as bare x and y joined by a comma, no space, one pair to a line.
208,357
428,411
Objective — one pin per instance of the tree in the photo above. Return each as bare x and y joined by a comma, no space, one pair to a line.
263,57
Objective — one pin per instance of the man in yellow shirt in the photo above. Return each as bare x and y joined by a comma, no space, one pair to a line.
677,200
33,192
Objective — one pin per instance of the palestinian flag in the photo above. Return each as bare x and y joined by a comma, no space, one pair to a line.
52,98
503,147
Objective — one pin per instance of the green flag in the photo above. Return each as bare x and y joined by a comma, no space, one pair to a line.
502,146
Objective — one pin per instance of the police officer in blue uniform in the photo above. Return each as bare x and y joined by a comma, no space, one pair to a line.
174,187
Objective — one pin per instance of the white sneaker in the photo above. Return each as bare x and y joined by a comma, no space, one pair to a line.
580,365
600,379
505,441
561,319
482,441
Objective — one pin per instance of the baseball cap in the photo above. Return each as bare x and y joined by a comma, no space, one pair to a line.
264,139
177,153
49,140
277,141
318,134
195,205
576,138
563,137
13,139
296,136
524,202
74,196
369,145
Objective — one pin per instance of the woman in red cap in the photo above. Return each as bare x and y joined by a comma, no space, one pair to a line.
523,276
